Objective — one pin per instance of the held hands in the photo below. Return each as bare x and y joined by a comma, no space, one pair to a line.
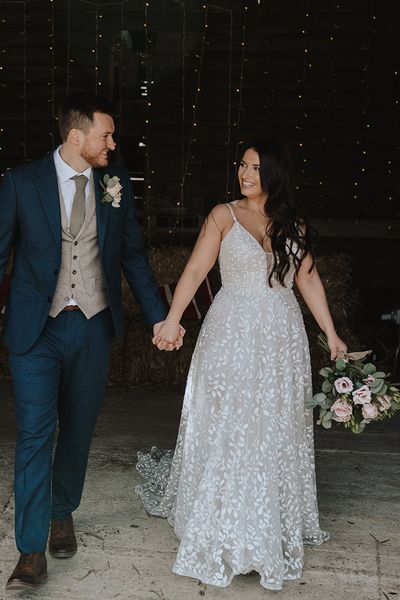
168,335
336,346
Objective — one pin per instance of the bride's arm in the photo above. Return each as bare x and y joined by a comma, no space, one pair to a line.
202,259
312,290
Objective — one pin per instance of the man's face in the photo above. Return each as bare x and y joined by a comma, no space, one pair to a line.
98,142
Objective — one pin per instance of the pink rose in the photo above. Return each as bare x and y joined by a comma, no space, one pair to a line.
343,385
369,411
384,402
342,410
362,395
369,379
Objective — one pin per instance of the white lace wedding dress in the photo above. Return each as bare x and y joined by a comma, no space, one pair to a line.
240,491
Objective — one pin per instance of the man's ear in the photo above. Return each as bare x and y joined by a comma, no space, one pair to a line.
75,137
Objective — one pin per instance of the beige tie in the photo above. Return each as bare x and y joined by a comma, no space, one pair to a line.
78,205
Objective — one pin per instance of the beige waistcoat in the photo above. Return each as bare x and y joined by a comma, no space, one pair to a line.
81,274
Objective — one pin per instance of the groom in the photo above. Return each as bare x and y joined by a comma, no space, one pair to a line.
70,219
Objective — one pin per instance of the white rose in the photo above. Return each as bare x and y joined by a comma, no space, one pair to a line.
369,411
362,395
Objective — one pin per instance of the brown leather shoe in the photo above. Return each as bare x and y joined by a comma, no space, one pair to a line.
30,572
62,543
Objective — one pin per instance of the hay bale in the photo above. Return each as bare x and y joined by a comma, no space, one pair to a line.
136,360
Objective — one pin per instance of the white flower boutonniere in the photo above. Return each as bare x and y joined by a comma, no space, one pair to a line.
112,190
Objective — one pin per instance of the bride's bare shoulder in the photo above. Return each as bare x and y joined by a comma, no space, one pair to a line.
221,216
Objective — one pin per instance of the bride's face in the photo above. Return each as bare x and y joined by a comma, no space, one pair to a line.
249,174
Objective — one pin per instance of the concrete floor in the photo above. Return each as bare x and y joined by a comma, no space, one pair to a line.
127,555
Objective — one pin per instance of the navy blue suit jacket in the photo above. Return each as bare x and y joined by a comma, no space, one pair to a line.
30,222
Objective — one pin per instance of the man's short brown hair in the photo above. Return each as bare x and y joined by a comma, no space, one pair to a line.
77,110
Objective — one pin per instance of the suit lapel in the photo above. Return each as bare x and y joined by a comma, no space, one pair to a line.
101,208
47,187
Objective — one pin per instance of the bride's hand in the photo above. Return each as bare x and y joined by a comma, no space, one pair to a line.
336,346
168,336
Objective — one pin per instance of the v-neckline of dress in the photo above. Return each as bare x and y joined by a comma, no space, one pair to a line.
252,237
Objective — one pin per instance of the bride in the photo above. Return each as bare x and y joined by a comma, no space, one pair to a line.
240,488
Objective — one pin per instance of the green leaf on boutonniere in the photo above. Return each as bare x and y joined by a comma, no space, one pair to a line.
107,198
106,178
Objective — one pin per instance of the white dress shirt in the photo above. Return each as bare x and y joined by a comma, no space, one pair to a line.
66,188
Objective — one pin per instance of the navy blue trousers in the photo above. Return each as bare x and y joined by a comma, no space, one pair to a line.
61,378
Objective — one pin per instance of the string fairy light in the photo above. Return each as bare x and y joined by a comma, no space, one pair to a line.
268,83
396,148
185,166
301,91
96,51
121,65
69,60
359,184
240,88
397,98
229,120
51,83
229,99
146,95
180,203
186,148
329,105
24,86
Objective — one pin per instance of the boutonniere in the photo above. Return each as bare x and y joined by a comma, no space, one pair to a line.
112,190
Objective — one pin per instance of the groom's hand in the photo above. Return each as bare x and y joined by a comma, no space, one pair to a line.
167,336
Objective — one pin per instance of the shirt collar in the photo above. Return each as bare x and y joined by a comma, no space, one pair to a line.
64,171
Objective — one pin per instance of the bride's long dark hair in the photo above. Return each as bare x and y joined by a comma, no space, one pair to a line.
288,229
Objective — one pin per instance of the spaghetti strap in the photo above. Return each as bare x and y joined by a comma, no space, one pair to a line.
231,211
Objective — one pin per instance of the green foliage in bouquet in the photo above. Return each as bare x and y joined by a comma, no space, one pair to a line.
353,392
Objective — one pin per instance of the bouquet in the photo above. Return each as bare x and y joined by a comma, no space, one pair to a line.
353,393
